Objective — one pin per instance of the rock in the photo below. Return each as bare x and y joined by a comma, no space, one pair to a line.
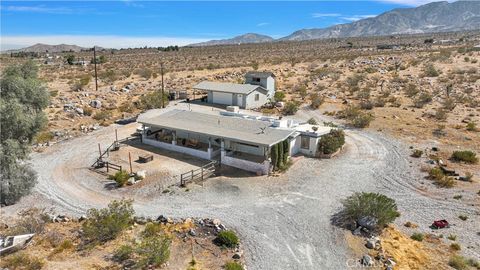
370,244
142,174
140,220
216,222
96,103
237,256
390,262
367,260
162,219
192,232
131,181
82,218
368,222
79,110
68,107
435,149
357,231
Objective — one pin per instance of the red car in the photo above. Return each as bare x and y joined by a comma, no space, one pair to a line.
440,224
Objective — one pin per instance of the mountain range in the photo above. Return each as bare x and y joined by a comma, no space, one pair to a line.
428,18
41,48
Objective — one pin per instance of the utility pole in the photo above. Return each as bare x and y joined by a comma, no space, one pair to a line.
95,63
163,89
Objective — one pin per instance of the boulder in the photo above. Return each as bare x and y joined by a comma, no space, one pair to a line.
192,232
142,174
368,222
237,256
367,260
96,103
162,219
79,110
370,244
140,220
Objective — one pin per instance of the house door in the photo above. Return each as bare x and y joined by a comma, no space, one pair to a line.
240,100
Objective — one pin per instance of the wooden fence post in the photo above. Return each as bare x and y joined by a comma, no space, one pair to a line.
107,166
130,161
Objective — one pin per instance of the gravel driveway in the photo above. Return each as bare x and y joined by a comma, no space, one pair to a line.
284,221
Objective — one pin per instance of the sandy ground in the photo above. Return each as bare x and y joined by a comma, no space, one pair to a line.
284,221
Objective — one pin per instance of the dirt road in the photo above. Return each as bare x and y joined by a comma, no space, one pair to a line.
284,221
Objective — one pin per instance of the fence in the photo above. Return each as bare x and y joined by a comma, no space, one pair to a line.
201,174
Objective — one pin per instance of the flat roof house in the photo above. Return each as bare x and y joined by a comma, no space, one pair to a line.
237,140
258,89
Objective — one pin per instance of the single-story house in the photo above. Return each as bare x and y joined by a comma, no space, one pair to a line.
258,89
233,139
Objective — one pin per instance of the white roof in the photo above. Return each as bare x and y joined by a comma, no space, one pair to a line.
235,88
238,129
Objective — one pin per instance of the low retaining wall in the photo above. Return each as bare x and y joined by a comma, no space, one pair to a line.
263,168
180,149
327,156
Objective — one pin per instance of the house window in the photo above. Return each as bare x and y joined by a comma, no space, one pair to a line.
256,79
257,97
305,143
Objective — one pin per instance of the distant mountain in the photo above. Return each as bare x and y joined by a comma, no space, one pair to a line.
243,39
41,48
429,18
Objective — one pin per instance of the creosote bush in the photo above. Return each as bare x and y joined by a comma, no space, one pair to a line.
417,236
291,107
153,100
417,153
233,266
316,100
331,142
356,117
465,156
227,238
367,204
153,251
121,177
440,178
105,224
22,261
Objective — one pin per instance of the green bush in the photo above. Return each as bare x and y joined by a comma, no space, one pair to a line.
227,238
331,142
316,100
153,251
465,156
440,178
455,246
105,224
356,117
123,253
102,115
153,100
430,71
279,96
23,261
422,99
367,204
417,236
291,107
121,177
458,262
471,126
233,266
417,153
312,121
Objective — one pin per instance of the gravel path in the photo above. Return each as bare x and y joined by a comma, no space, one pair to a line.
284,221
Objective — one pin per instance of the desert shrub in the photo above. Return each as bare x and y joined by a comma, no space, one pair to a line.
123,253
152,230
153,251
463,217
440,178
411,90
441,114
144,72
379,102
312,121
465,156
423,99
455,246
121,177
331,142
87,110
417,153
417,236
227,238
279,96
153,100
316,100
65,245
102,115
105,224
32,220
449,104
366,105
233,266
43,137
430,71
471,126
356,117
23,261
458,262
366,204
291,107
126,106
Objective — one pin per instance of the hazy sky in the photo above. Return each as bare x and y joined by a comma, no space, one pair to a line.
119,24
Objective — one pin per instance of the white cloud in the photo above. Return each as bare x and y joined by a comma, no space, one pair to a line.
263,24
323,15
354,18
39,9
8,42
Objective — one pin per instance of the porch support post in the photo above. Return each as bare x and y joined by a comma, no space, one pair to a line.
174,137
